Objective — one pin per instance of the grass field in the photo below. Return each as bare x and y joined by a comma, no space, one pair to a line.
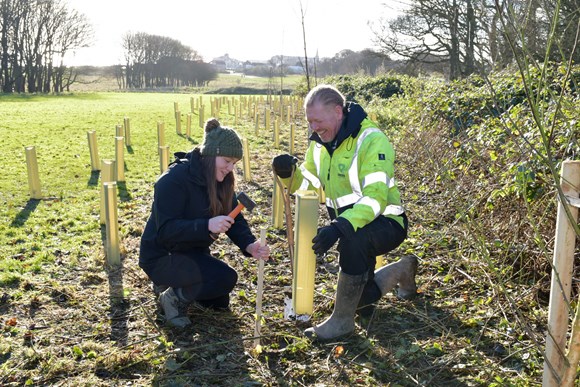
68,319
98,80
58,295
57,127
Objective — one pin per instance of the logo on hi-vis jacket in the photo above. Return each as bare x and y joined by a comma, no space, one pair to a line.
341,170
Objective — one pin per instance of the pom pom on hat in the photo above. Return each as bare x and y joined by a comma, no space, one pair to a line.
220,141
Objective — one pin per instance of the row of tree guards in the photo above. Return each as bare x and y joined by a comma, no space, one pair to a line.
307,202
112,171
561,360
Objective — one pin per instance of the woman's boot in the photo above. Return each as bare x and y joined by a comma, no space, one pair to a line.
173,308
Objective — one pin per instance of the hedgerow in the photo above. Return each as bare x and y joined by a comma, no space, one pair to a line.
482,151
361,89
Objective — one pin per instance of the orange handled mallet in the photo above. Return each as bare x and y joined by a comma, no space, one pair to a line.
243,202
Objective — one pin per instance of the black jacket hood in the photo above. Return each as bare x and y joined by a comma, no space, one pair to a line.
192,157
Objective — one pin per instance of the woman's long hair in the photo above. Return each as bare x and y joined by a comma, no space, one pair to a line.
221,194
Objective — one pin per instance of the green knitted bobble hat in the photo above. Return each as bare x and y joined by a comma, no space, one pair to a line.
220,141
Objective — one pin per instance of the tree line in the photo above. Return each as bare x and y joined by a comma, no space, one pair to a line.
35,36
153,61
477,36
454,37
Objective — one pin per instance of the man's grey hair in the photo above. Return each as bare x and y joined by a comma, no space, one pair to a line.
326,95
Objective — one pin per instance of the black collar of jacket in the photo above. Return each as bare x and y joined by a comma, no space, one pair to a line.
193,160
354,114
195,167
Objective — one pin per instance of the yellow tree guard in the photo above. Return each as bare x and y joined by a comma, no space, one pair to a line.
304,266
33,178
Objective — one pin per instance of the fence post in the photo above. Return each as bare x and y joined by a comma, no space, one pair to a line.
561,285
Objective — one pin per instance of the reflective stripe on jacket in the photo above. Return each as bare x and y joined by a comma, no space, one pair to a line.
358,178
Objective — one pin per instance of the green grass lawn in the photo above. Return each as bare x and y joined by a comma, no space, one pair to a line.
66,221
232,80
97,81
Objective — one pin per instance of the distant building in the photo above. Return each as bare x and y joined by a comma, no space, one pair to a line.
292,64
225,63
220,65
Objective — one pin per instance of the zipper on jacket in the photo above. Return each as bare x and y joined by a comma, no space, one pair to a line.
329,194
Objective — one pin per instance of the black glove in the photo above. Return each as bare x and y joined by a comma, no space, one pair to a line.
284,165
325,239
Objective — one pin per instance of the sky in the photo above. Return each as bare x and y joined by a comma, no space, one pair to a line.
243,29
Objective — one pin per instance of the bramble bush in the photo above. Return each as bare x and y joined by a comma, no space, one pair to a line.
478,152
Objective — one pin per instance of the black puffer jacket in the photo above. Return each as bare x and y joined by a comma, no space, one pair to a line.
180,215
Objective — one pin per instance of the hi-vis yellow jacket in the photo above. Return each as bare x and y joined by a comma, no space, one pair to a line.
358,178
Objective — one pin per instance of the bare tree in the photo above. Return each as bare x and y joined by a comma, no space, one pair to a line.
367,62
434,31
306,69
75,32
33,34
510,28
160,61
568,29
134,46
11,13
473,35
